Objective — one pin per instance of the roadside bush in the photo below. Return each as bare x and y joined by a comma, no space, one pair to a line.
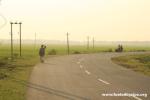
16,55
76,52
2,76
144,59
141,50
52,52
2,62
110,50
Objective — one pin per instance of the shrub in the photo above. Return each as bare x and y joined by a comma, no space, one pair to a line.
2,62
77,52
110,50
16,55
52,52
2,76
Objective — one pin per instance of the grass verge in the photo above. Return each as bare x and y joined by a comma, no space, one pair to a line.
139,63
18,69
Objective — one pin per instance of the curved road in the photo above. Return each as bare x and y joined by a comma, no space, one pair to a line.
85,77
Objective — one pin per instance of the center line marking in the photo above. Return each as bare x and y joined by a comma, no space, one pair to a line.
103,81
137,98
81,59
87,72
81,66
78,62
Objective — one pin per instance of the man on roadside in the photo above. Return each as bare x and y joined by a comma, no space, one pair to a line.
42,53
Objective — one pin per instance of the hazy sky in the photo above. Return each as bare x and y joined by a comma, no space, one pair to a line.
110,20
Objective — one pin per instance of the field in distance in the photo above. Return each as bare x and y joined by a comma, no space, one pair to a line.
12,74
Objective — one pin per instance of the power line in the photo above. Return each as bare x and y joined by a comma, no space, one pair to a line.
5,21
0,2
3,17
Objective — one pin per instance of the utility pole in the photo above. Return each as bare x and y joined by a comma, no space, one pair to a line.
93,43
11,41
88,44
68,48
11,23
35,41
20,39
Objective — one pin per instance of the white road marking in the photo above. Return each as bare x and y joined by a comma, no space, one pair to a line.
81,66
137,98
103,81
81,59
78,62
87,72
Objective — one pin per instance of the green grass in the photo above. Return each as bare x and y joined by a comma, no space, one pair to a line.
139,63
20,68
61,49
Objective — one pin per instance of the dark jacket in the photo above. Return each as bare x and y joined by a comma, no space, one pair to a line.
42,51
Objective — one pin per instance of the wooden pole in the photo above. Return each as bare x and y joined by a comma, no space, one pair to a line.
11,41
93,43
68,48
20,40
88,42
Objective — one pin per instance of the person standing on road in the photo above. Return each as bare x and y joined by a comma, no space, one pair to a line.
42,53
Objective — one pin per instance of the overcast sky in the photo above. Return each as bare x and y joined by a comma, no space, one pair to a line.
110,20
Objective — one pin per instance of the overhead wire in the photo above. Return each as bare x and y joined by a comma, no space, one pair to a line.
5,21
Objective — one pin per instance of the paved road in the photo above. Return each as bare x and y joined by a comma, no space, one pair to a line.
85,77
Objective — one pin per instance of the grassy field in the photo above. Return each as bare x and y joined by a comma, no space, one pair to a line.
139,63
11,72
61,49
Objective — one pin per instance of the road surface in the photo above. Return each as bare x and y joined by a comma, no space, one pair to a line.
85,77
